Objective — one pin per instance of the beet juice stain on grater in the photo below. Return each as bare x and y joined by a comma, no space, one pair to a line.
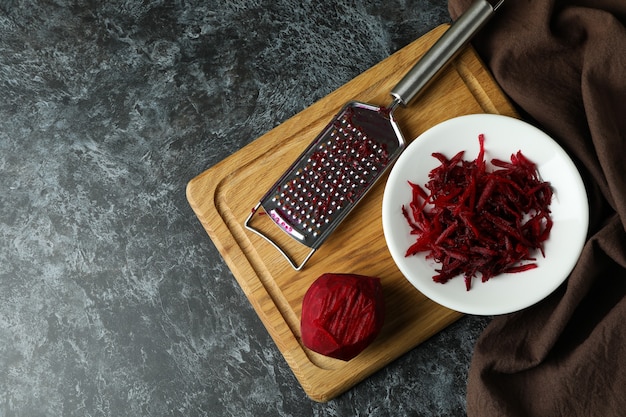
346,159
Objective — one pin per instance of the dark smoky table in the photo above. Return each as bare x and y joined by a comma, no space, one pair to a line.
114,300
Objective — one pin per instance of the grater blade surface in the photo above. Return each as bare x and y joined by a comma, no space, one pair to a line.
334,173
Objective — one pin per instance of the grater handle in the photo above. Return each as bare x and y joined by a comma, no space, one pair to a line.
442,52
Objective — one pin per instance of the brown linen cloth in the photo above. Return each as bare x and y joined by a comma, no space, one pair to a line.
563,63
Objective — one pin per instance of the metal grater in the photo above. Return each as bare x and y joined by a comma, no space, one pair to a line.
333,173
347,158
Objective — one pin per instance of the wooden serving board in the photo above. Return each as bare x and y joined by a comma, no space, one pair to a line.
223,196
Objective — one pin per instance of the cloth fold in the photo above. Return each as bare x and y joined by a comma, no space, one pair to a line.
563,63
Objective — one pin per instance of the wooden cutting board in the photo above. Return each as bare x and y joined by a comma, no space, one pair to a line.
223,196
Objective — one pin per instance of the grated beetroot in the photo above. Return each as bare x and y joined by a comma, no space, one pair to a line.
479,222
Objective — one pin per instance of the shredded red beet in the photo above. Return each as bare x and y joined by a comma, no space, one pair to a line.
480,222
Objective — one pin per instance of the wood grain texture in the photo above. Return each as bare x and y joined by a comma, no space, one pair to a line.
223,196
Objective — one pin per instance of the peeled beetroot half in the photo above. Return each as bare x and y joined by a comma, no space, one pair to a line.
342,314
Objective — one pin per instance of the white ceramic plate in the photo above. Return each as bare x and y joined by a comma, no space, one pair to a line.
504,136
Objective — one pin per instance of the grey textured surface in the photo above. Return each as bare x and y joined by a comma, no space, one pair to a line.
113,300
